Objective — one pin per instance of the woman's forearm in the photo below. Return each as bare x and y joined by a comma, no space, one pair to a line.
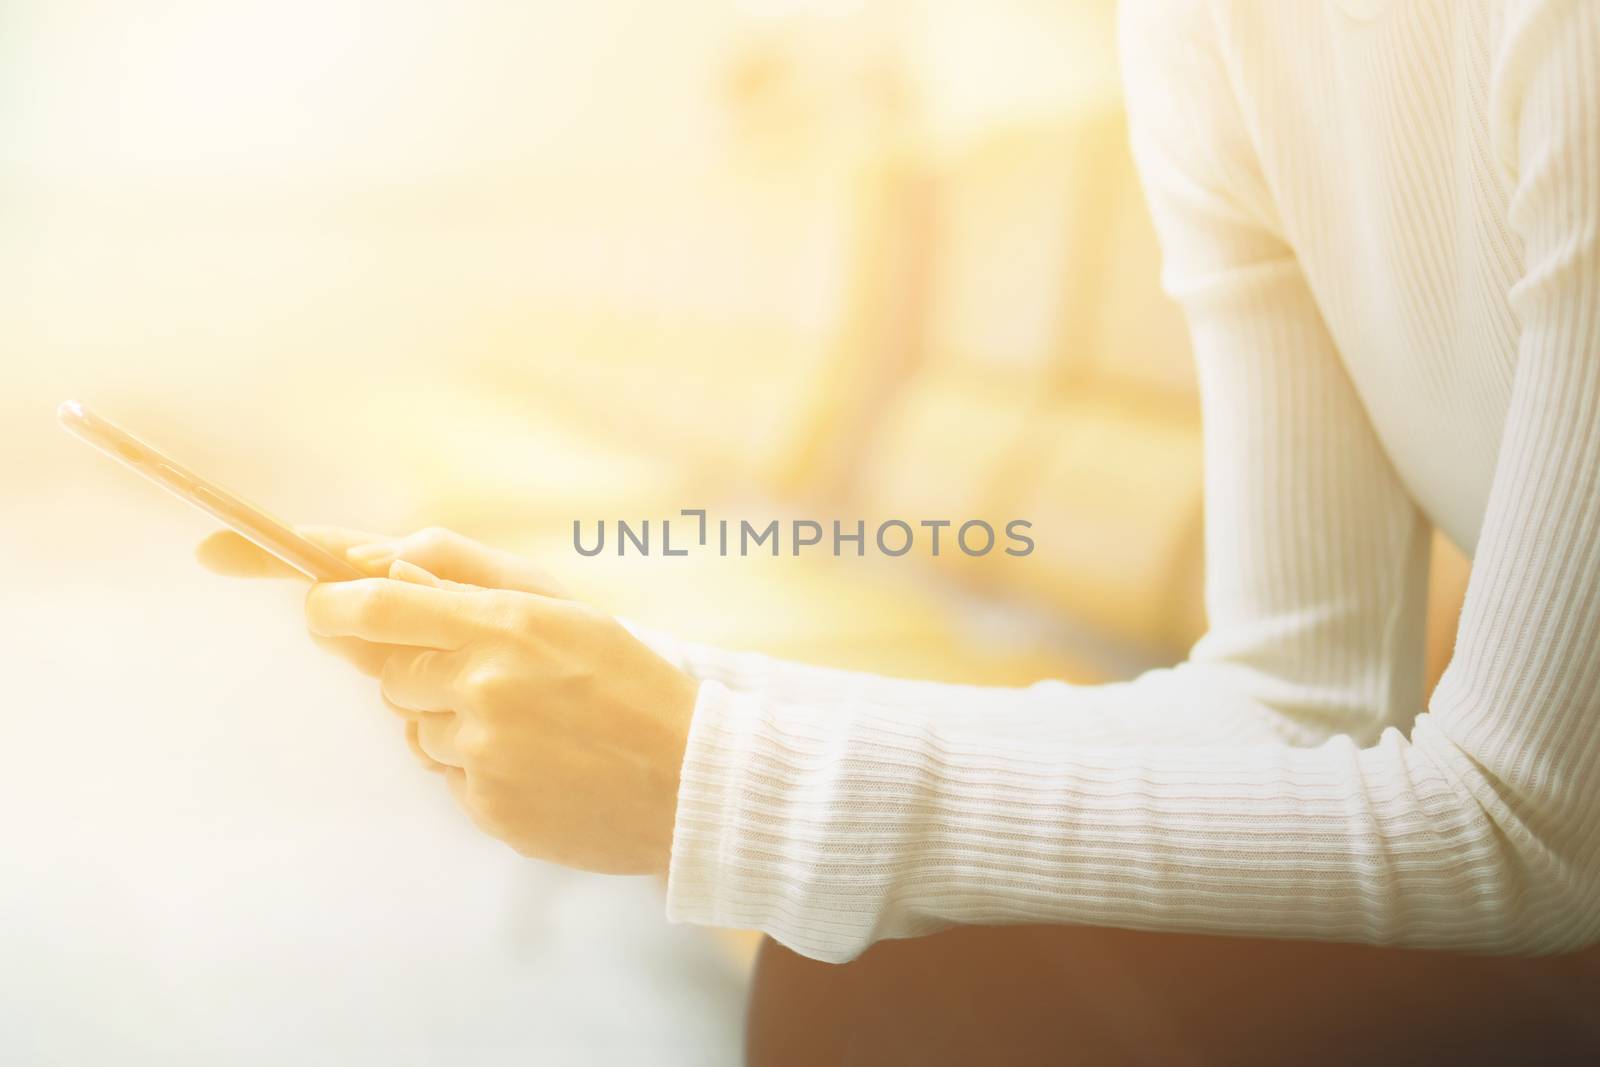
830,829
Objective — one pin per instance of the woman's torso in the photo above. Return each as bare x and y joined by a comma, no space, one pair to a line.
1373,123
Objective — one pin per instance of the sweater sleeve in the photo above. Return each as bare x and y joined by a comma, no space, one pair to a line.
830,823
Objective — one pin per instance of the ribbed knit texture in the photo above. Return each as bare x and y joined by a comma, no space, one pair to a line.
1386,235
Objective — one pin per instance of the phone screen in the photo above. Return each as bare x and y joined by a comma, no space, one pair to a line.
262,529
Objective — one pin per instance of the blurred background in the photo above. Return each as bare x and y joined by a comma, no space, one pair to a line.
501,266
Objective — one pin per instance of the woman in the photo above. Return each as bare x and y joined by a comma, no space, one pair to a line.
1383,222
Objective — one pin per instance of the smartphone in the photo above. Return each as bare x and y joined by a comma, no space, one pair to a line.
267,533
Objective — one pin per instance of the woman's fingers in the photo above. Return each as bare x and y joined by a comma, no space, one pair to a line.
416,686
436,736
393,613
461,789
420,679
414,742
456,779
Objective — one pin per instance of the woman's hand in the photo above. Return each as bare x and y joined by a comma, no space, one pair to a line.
559,732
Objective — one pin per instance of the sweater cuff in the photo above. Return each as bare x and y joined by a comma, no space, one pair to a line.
703,834
745,854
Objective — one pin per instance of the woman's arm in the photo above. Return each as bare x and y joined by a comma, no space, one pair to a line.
832,825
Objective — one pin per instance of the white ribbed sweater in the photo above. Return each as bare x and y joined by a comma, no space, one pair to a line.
1385,231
